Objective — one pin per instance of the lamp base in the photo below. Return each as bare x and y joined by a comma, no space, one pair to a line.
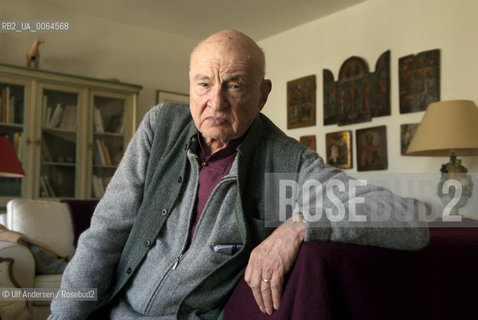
454,189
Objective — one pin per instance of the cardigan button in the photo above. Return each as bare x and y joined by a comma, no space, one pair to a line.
128,271
164,212
147,243
180,179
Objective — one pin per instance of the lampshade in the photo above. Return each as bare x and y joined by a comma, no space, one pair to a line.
10,167
447,126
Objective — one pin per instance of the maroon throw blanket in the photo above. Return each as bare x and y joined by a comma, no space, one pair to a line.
344,281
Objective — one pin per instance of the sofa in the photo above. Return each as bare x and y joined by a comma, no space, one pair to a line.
51,230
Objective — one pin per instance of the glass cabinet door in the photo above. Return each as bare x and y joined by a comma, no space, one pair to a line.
12,118
59,142
108,139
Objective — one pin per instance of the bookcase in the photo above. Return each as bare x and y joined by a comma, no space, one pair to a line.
69,132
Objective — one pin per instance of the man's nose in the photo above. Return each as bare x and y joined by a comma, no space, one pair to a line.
217,99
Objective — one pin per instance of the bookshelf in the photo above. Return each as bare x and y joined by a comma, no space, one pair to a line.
65,150
108,137
59,136
12,116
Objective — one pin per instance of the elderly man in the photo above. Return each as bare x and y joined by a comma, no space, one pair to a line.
184,214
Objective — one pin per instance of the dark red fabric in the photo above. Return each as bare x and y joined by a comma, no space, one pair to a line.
345,281
81,212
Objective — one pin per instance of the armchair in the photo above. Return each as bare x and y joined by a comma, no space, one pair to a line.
47,222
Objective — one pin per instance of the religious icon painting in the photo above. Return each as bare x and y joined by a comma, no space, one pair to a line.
419,80
358,95
407,131
339,149
372,148
308,141
301,102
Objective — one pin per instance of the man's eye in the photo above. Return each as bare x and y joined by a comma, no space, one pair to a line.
202,84
234,86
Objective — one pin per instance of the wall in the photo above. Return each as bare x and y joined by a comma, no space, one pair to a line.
101,48
367,30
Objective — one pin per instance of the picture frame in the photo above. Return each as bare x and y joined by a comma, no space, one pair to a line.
371,146
339,149
163,96
301,100
308,141
407,131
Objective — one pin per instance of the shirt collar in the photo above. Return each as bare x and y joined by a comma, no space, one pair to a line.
220,154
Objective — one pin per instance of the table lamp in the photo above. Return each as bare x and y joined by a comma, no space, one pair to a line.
10,167
449,128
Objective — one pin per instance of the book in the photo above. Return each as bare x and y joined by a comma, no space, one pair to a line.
106,153
48,113
98,187
99,149
18,145
11,109
98,120
96,156
4,106
121,125
43,188
56,117
45,181
68,120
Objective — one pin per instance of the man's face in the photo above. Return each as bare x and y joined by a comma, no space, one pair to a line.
226,91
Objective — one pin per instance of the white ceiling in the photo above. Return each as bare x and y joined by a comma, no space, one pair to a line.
197,19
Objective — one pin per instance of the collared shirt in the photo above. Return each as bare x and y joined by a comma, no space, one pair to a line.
213,168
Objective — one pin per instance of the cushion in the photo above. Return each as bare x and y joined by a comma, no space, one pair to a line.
44,221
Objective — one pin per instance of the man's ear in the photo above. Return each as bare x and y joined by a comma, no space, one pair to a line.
266,88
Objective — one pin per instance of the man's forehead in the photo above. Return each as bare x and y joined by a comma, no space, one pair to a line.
226,66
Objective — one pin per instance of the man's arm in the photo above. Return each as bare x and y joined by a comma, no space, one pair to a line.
272,259
99,247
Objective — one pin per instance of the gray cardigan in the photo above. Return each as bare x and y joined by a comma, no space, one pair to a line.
140,226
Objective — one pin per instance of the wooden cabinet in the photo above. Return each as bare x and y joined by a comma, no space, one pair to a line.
69,132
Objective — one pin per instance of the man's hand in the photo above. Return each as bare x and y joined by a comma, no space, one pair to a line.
271,260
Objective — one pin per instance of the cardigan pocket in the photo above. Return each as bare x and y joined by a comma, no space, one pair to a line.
218,258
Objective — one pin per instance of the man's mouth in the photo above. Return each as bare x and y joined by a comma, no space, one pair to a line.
217,121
